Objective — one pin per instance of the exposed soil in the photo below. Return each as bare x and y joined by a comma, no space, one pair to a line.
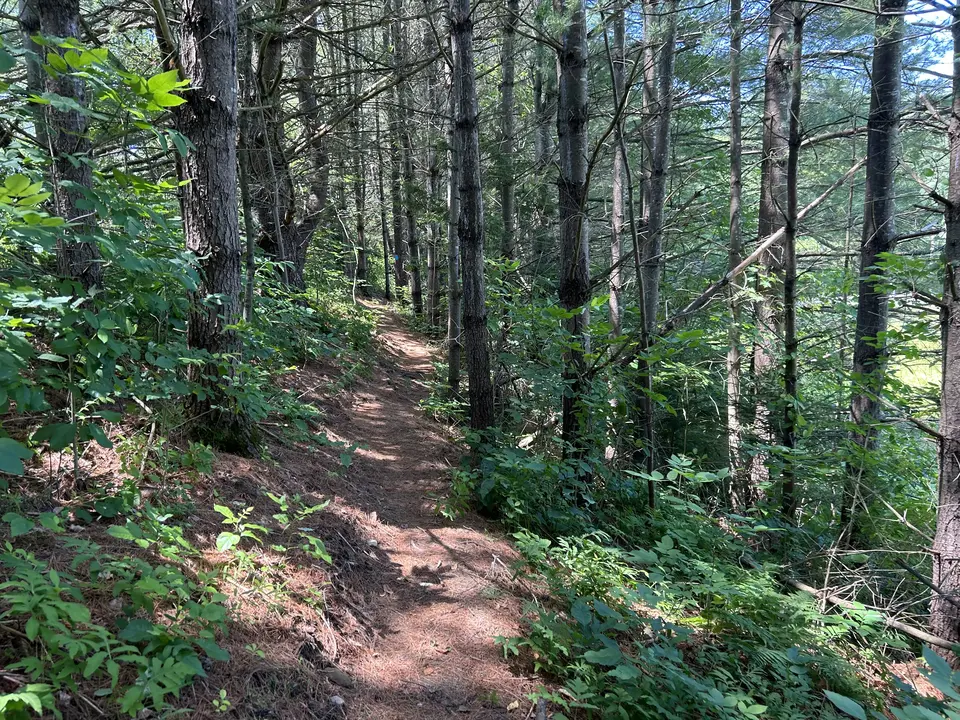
414,601
401,624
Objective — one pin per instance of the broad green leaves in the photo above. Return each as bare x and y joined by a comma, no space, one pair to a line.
846,705
12,455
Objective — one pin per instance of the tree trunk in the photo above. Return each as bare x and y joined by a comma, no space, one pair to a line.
619,160
435,101
574,284
405,129
67,137
660,35
208,55
879,236
738,495
454,344
944,615
396,163
768,309
476,335
545,110
507,129
791,402
318,182
382,197
29,19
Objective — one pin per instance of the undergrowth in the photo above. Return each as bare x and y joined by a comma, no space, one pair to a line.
674,613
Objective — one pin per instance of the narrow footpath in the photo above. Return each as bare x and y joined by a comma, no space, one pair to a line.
445,591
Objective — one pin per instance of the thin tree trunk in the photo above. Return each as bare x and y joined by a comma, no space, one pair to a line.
507,129
29,20
208,53
545,110
435,101
250,236
454,344
791,345
619,161
574,284
319,178
66,132
382,197
660,35
738,499
470,226
768,309
391,43
879,237
944,614
359,180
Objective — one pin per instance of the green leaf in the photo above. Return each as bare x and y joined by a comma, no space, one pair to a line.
346,459
6,61
624,672
93,664
121,533
50,357
165,99
137,630
19,525
847,705
12,455
59,435
33,628
213,651
227,541
606,656
165,81
756,710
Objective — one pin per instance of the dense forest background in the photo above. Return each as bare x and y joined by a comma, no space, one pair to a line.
690,267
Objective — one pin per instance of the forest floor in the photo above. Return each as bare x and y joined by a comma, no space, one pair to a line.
412,602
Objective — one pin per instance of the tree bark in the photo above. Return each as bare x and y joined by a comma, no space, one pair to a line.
454,320
768,309
791,402
396,163
318,182
545,111
470,226
619,161
660,35
511,12
574,282
208,56
66,130
944,615
738,495
879,236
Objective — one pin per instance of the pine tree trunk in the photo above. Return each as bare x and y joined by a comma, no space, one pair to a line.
574,284
318,182
382,197
67,136
507,129
616,225
476,335
788,500
208,54
738,495
660,35
944,615
454,320
545,110
768,309
396,163
879,236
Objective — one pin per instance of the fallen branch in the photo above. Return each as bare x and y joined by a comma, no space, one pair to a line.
716,287
909,630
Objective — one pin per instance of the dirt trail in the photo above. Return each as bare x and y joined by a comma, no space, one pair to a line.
445,589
